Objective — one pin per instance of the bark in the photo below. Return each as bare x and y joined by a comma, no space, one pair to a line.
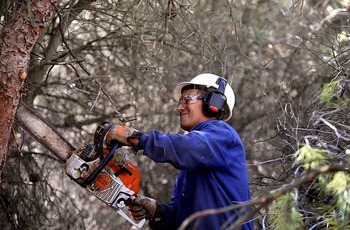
16,42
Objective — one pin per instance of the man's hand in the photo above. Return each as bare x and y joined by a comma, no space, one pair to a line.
137,211
144,207
122,134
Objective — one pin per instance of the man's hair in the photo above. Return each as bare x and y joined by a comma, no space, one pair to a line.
203,90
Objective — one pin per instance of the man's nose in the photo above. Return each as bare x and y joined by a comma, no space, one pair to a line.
180,107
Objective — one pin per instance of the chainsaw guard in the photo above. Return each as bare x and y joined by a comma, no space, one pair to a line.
137,224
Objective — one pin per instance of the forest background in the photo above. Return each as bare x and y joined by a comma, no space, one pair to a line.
82,62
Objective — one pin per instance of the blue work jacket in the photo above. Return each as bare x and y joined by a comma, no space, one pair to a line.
213,173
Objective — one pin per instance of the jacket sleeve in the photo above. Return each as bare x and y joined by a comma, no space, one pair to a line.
199,149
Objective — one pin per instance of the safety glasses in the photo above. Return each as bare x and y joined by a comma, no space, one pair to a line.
189,99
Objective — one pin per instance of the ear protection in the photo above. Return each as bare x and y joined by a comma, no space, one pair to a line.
214,102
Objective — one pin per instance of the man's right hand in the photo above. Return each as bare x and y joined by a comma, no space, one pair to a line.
137,211
143,207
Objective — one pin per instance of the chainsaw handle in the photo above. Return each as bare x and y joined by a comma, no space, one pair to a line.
100,133
101,166
137,224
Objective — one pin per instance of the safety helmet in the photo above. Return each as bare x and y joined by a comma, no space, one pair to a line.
209,80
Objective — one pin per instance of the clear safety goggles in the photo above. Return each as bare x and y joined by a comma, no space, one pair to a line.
189,99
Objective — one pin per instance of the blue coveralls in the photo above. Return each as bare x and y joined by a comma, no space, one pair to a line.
213,172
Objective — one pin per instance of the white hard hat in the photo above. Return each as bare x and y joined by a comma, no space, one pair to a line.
209,80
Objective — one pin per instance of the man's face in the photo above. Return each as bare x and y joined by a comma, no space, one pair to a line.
191,109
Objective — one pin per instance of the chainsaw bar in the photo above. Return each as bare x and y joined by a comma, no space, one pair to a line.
43,132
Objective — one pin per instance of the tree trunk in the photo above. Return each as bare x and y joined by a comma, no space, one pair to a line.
17,39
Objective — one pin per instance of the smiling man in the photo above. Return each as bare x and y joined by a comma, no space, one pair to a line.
210,157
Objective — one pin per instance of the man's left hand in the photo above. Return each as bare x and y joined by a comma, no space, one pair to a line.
121,134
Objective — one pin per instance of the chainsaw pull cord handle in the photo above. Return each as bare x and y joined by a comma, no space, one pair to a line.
101,166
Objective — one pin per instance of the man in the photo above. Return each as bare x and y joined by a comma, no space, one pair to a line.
210,158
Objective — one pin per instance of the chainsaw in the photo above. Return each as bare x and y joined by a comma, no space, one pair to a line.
107,173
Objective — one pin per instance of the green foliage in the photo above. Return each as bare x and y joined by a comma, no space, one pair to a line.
284,214
339,187
345,3
310,157
342,36
330,95
260,34
335,186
